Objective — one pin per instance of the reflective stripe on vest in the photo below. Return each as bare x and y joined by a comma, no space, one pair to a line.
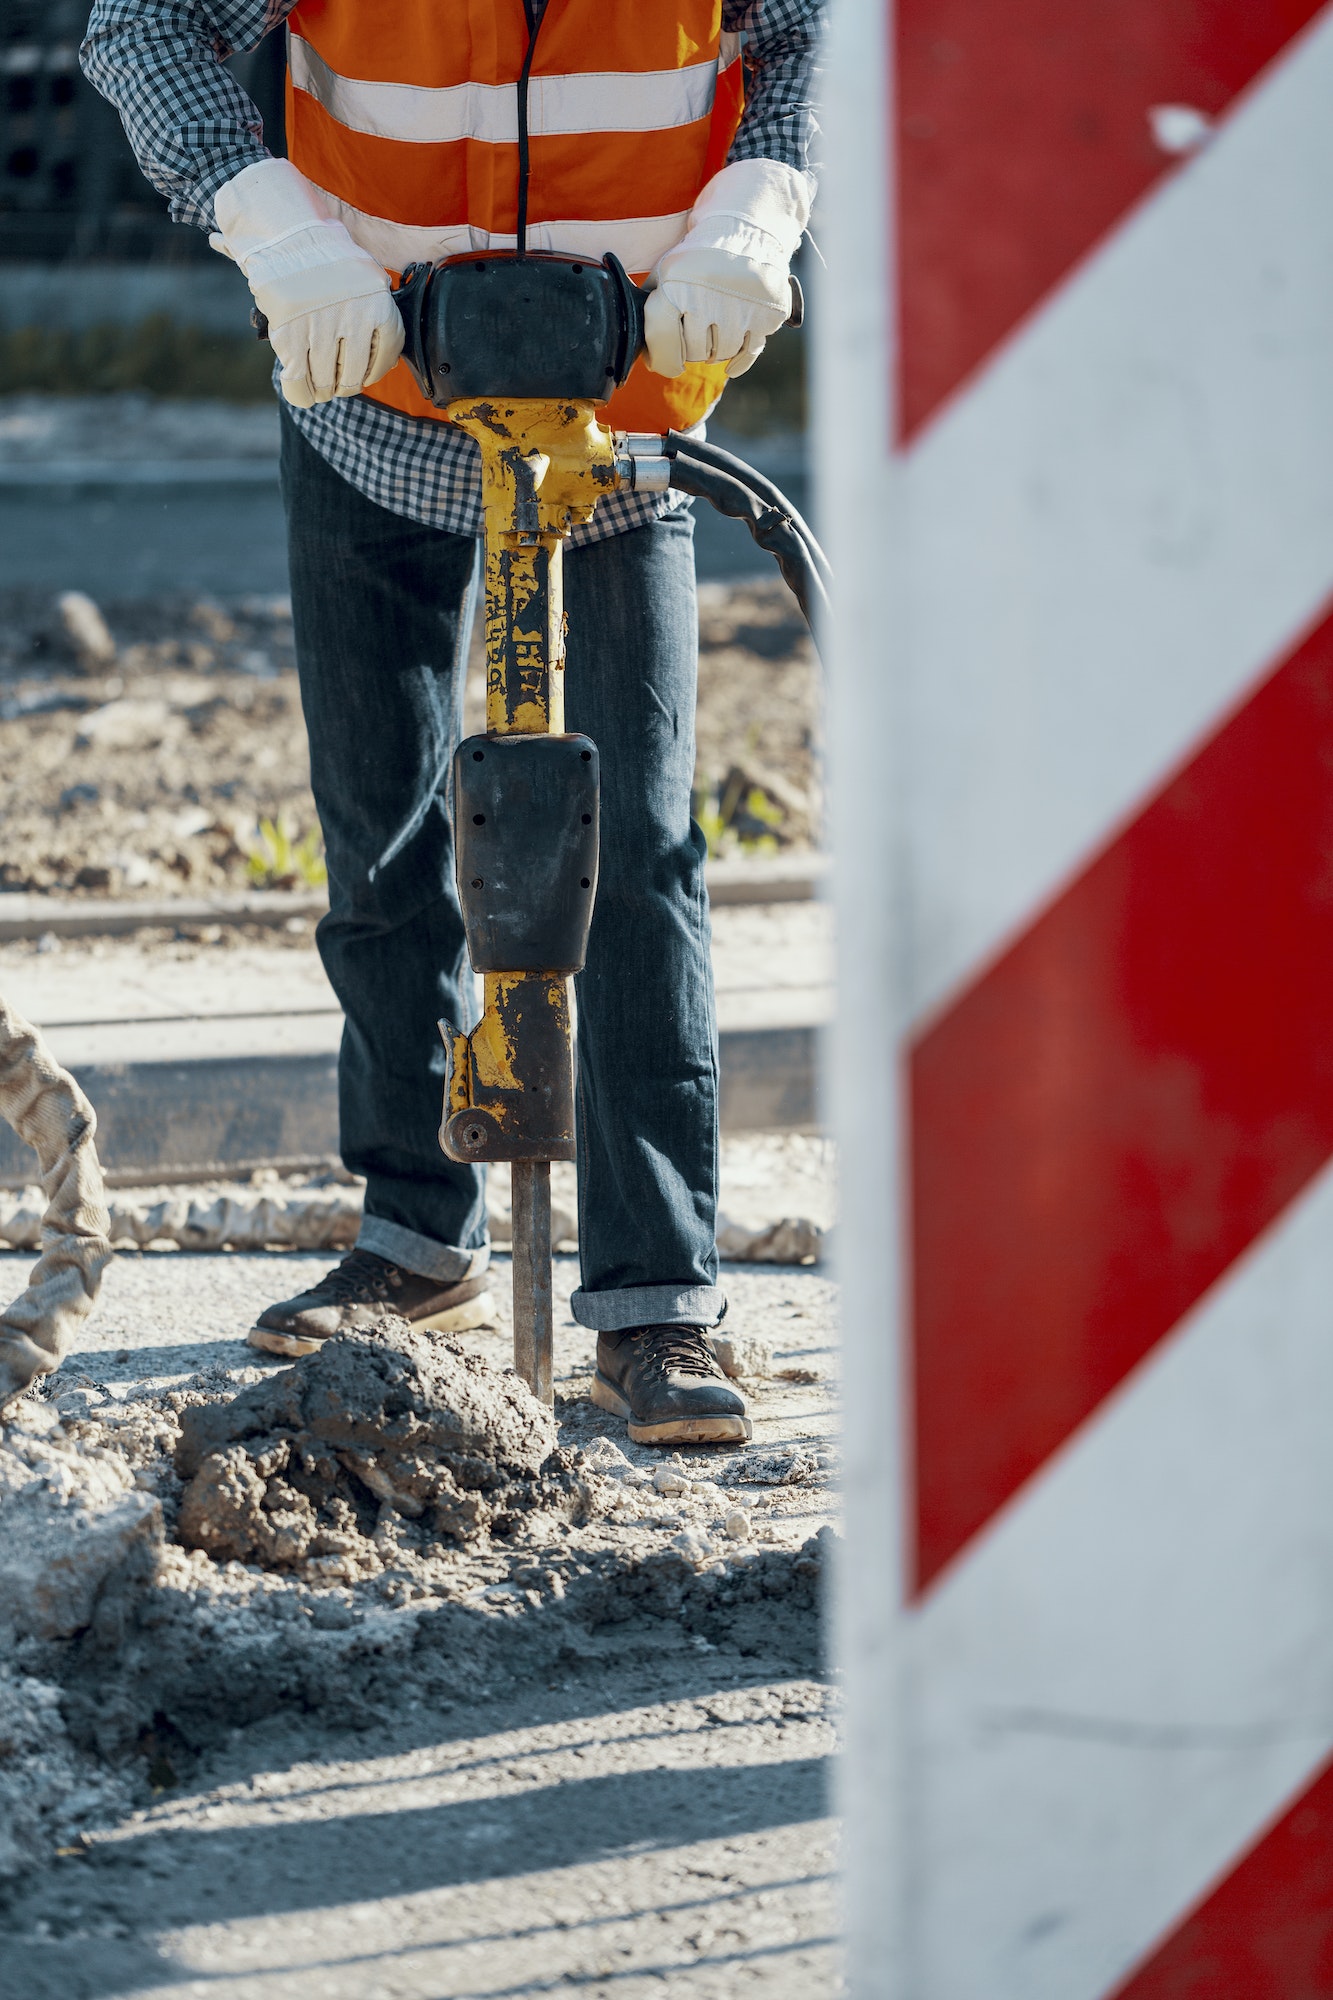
637,240
605,101
425,169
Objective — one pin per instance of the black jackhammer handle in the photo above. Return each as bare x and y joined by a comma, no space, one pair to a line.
796,317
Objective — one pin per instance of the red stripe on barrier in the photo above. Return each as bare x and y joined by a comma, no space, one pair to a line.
1023,137
1266,1933
1117,1108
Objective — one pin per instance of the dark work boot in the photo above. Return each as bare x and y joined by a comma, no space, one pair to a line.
355,1294
667,1382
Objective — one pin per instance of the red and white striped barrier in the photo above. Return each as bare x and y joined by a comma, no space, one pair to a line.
1076,410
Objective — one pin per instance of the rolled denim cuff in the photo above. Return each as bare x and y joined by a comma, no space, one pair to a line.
649,1305
421,1254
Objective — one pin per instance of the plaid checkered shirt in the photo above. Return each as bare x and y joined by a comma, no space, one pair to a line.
192,127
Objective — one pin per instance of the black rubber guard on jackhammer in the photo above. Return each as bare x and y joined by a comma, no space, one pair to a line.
544,325
526,839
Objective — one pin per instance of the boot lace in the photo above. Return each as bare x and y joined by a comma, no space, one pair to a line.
361,1275
677,1350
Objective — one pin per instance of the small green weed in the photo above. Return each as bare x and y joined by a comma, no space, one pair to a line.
282,858
738,817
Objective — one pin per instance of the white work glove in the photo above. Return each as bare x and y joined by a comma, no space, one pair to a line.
331,316
726,285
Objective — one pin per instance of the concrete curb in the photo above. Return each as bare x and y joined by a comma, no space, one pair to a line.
224,1116
794,878
31,916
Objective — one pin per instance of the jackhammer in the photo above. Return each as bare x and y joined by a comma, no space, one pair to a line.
520,350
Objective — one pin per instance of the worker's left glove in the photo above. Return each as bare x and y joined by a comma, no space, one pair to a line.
726,285
331,315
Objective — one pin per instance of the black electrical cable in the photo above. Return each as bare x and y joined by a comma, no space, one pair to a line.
726,461
772,527
533,10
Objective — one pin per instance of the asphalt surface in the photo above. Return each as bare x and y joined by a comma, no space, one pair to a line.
128,541
663,1831
124,541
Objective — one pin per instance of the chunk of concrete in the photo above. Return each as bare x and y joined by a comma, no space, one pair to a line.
741,1354
73,1521
387,1420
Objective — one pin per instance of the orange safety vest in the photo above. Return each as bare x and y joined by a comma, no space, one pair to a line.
405,117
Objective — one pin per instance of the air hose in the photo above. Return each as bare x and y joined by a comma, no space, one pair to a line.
726,461
48,1110
735,488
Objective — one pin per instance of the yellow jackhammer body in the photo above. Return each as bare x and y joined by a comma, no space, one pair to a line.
526,820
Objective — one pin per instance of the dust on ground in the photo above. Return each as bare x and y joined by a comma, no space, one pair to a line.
149,769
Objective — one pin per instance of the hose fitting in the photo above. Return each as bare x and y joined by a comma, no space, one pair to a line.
642,465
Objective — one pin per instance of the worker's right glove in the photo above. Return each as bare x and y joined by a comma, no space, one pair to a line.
331,315
726,285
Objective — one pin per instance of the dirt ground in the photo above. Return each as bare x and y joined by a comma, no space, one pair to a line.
150,772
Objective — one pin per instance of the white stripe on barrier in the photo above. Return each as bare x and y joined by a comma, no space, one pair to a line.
1119,523
1132,1669
588,101
638,241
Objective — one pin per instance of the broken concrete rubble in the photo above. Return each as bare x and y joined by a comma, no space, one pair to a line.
86,629
305,1464
72,1520
317,1212
165,1648
49,1789
741,1354
792,1240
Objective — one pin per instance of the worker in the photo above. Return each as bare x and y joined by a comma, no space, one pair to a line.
674,133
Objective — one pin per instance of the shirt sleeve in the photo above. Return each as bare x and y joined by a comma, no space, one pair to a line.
780,53
160,63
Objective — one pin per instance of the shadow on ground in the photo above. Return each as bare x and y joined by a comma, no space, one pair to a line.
310,1848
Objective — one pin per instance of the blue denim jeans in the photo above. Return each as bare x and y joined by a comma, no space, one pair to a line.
383,609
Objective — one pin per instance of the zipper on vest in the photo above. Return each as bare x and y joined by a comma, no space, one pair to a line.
534,12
